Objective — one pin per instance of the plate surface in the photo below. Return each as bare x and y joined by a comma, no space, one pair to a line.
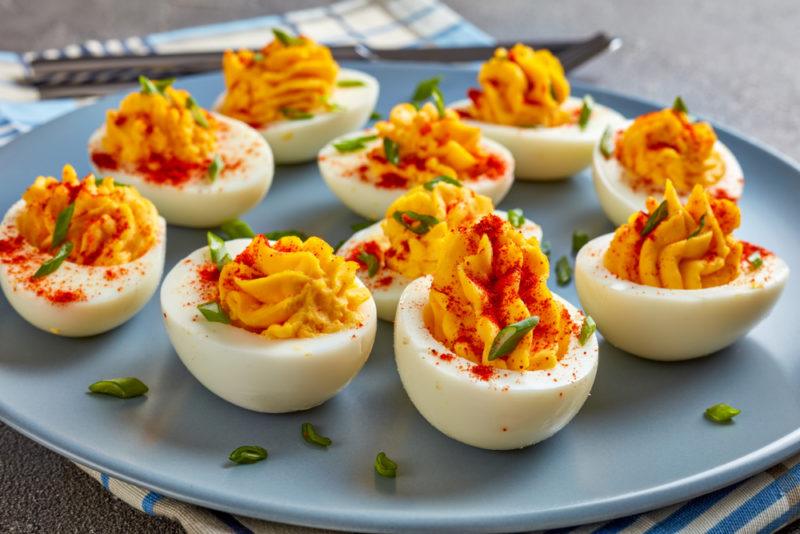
640,441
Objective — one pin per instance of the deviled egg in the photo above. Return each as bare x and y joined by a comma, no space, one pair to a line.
296,95
487,354
269,326
369,170
524,103
673,283
635,161
198,168
407,243
78,258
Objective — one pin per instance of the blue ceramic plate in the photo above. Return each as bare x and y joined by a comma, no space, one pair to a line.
640,441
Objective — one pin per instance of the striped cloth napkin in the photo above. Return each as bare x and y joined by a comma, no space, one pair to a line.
763,503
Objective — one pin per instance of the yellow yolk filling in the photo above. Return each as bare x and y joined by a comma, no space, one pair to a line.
415,255
429,145
291,289
489,277
156,127
110,224
278,81
681,252
522,87
666,145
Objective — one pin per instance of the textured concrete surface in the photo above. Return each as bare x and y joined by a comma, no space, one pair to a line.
735,62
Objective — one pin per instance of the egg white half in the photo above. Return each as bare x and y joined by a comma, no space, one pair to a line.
511,409
249,370
387,285
674,324
550,153
203,203
340,172
113,294
297,141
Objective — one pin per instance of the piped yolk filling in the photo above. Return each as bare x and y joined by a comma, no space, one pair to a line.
691,248
292,289
110,224
279,82
489,276
667,145
430,144
521,87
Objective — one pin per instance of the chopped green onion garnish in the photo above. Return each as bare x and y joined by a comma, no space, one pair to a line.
425,90
701,223
430,184
587,329
62,225
350,83
258,57
655,218
586,111
391,150
607,142
353,144
409,220
375,116
277,234
371,261
217,251
146,86
384,466
215,167
248,454
579,239
161,85
296,114
339,245
438,100
123,388
509,337
755,260
213,313
553,92
545,247
516,217
310,435
197,113
722,413
361,225
55,262
679,105
285,38
236,229
563,271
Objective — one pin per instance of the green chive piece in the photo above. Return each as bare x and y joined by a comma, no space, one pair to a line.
339,245
161,85
350,83
371,261
430,184
545,247
700,224
553,92
215,167
607,142
587,329
586,111
236,229
214,313
62,225
755,260
355,143
391,150
277,234
579,238
258,57
146,86
438,100
285,38
197,113
296,114
655,218
55,262
679,105
563,271
516,217
425,90
309,434
722,413
217,251
384,466
124,388
375,116
248,454
361,225
509,337
409,220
